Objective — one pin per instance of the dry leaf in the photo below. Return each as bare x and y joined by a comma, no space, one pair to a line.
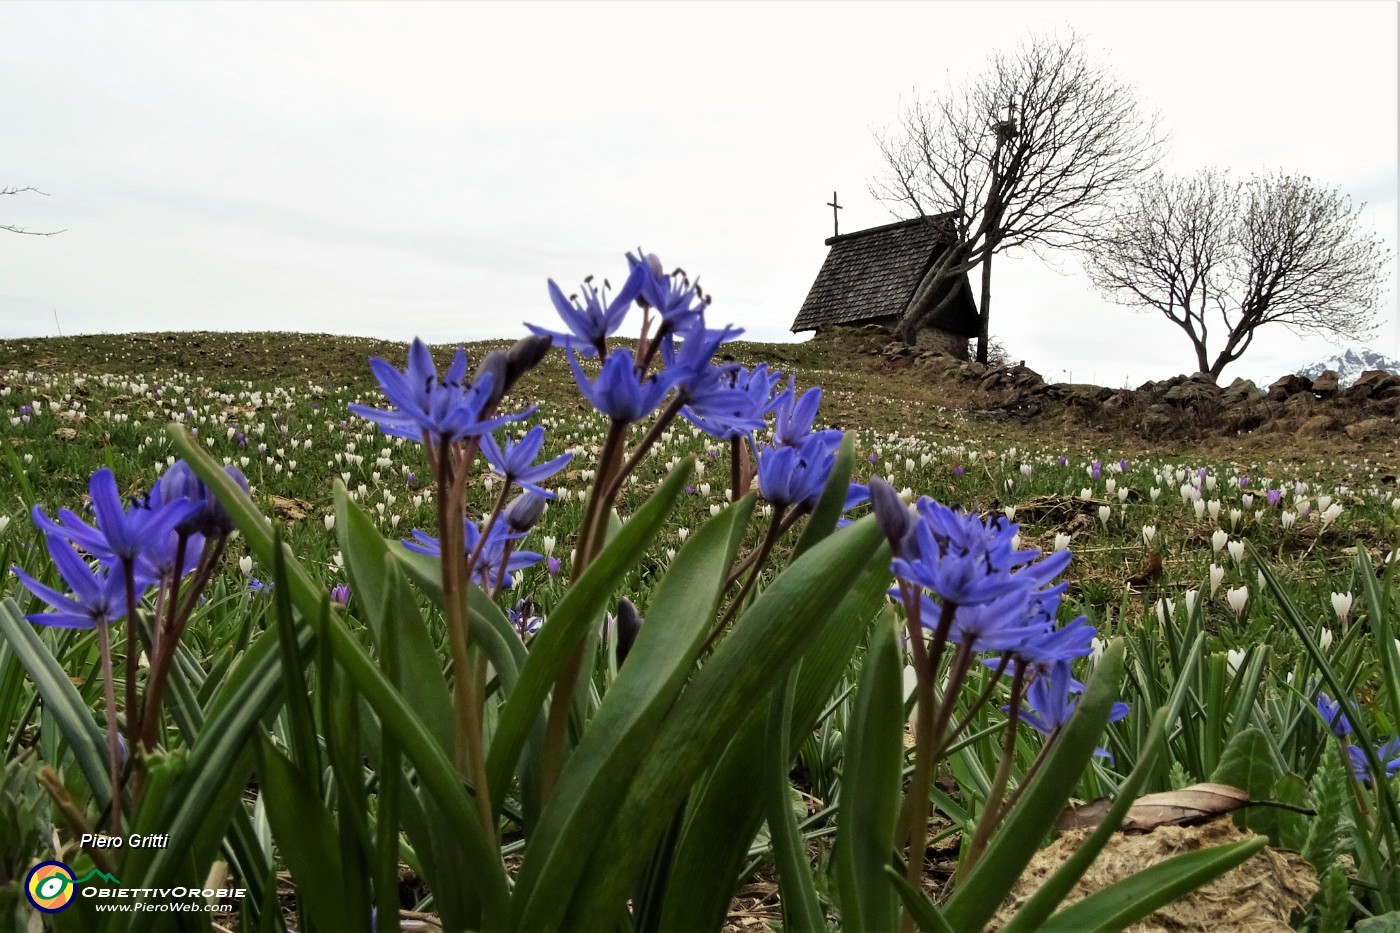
1186,806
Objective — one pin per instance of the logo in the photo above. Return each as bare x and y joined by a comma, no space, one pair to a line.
50,886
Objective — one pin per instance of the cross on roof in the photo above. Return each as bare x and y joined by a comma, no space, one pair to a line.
835,224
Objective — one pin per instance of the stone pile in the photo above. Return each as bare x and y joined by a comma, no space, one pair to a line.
1183,406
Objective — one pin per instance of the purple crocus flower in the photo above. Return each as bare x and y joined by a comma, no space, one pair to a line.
1274,496
1064,461
340,594
1095,469
553,565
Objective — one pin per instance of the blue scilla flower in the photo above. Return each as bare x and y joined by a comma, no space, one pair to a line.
796,476
180,482
733,402
121,533
489,563
673,297
514,461
98,597
445,409
594,319
999,625
1331,712
1051,706
963,559
795,414
1388,755
620,392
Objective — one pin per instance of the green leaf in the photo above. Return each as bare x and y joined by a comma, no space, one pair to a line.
1248,763
926,916
871,777
1385,923
801,909
488,892
61,700
1055,888
581,605
722,816
620,735
420,675
766,640
308,842
1126,902
1026,826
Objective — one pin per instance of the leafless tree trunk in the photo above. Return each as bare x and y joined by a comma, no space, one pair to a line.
12,229
1027,154
1274,249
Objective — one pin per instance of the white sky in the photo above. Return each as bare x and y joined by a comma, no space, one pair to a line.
406,169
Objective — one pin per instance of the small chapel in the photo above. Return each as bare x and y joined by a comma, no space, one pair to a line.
871,276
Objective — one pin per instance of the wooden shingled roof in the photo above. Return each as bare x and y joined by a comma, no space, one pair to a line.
872,274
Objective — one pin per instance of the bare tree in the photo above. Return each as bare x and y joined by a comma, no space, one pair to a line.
12,229
1273,249
1028,154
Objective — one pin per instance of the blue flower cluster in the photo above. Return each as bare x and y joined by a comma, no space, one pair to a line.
151,539
1388,754
965,579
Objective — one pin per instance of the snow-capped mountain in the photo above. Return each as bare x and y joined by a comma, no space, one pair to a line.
1350,364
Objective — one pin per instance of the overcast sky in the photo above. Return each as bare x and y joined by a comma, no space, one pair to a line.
408,169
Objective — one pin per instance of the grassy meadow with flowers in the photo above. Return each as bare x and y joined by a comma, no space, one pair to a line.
349,636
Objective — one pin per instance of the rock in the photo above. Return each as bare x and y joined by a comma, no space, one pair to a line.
1303,401
1325,385
1157,419
1371,383
1193,391
1285,387
1317,425
1240,390
1370,427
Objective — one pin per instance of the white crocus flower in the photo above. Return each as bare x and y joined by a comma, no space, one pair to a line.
1287,519
1236,549
1233,659
245,564
1104,514
1217,574
1324,640
1200,506
1341,605
1189,598
1148,533
1166,610
1061,541
1236,597
1218,540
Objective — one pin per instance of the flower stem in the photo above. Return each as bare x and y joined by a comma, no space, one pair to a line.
995,808
467,750
114,754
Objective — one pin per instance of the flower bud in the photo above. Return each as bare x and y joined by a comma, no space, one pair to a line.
891,514
629,624
495,364
524,511
523,356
